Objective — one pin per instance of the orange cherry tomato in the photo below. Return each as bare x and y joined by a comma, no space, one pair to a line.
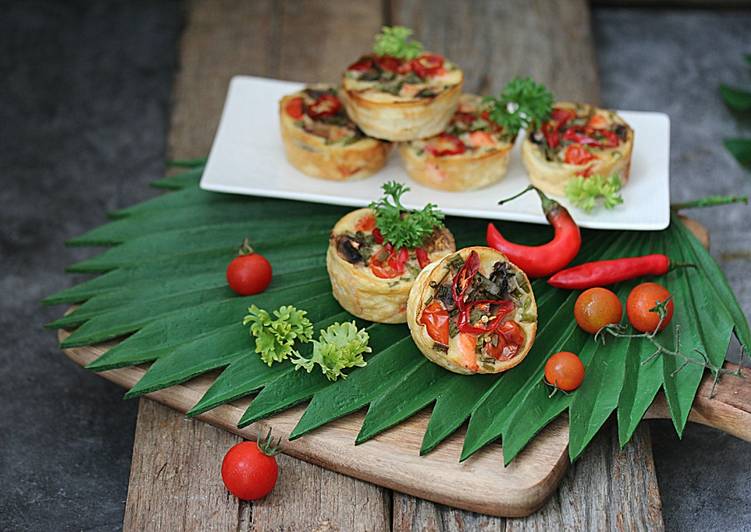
565,371
294,108
642,299
436,321
467,343
597,307
577,154
481,138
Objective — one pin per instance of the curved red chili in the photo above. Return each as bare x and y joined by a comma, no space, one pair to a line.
546,259
605,272
466,326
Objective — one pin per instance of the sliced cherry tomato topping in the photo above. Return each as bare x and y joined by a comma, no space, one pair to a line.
562,116
294,108
436,320
611,139
389,63
325,105
577,154
464,118
506,342
427,65
597,122
578,135
550,131
366,223
445,144
422,257
388,262
377,236
361,65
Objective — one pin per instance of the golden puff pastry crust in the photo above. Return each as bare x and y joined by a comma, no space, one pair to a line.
327,147
353,283
592,152
454,357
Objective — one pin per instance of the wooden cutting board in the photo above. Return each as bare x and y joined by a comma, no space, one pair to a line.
391,459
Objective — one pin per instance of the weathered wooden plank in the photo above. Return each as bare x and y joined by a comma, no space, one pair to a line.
175,481
551,41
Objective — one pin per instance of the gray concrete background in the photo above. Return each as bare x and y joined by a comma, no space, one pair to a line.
84,107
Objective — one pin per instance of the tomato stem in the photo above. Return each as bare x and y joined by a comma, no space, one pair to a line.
267,445
245,248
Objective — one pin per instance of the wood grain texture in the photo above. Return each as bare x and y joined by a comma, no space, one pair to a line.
496,41
391,459
223,38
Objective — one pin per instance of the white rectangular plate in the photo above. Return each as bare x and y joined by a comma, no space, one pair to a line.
248,158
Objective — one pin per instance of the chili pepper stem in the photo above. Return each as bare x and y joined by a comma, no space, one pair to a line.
679,265
547,204
506,200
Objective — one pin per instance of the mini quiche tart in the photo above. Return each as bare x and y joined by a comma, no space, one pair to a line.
369,277
473,312
473,151
399,99
578,140
321,141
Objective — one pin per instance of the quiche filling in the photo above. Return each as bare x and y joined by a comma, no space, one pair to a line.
320,112
426,76
470,131
475,318
365,248
581,135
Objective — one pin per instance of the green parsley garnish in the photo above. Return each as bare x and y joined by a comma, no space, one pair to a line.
276,337
400,226
339,347
395,41
522,103
585,192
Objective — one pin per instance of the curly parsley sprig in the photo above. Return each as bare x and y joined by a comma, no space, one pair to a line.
400,226
341,346
396,42
276,336
585,192
522,103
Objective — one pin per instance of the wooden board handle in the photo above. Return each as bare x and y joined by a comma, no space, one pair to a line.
729,410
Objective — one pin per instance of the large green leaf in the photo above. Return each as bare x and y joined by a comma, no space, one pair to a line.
164,285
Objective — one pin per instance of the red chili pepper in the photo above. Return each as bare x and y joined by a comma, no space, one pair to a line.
580,136
445,144
463,277
466,326
377,236
550,131
422,257
543,260
612,139
562,116
606,272
325,105
388,263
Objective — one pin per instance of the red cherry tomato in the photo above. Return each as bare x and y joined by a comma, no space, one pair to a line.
445,144
562,116
565,371
427,65
436,320
294,108
597,307
510,338
577,154
325,105
642,299
249,274
249,473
